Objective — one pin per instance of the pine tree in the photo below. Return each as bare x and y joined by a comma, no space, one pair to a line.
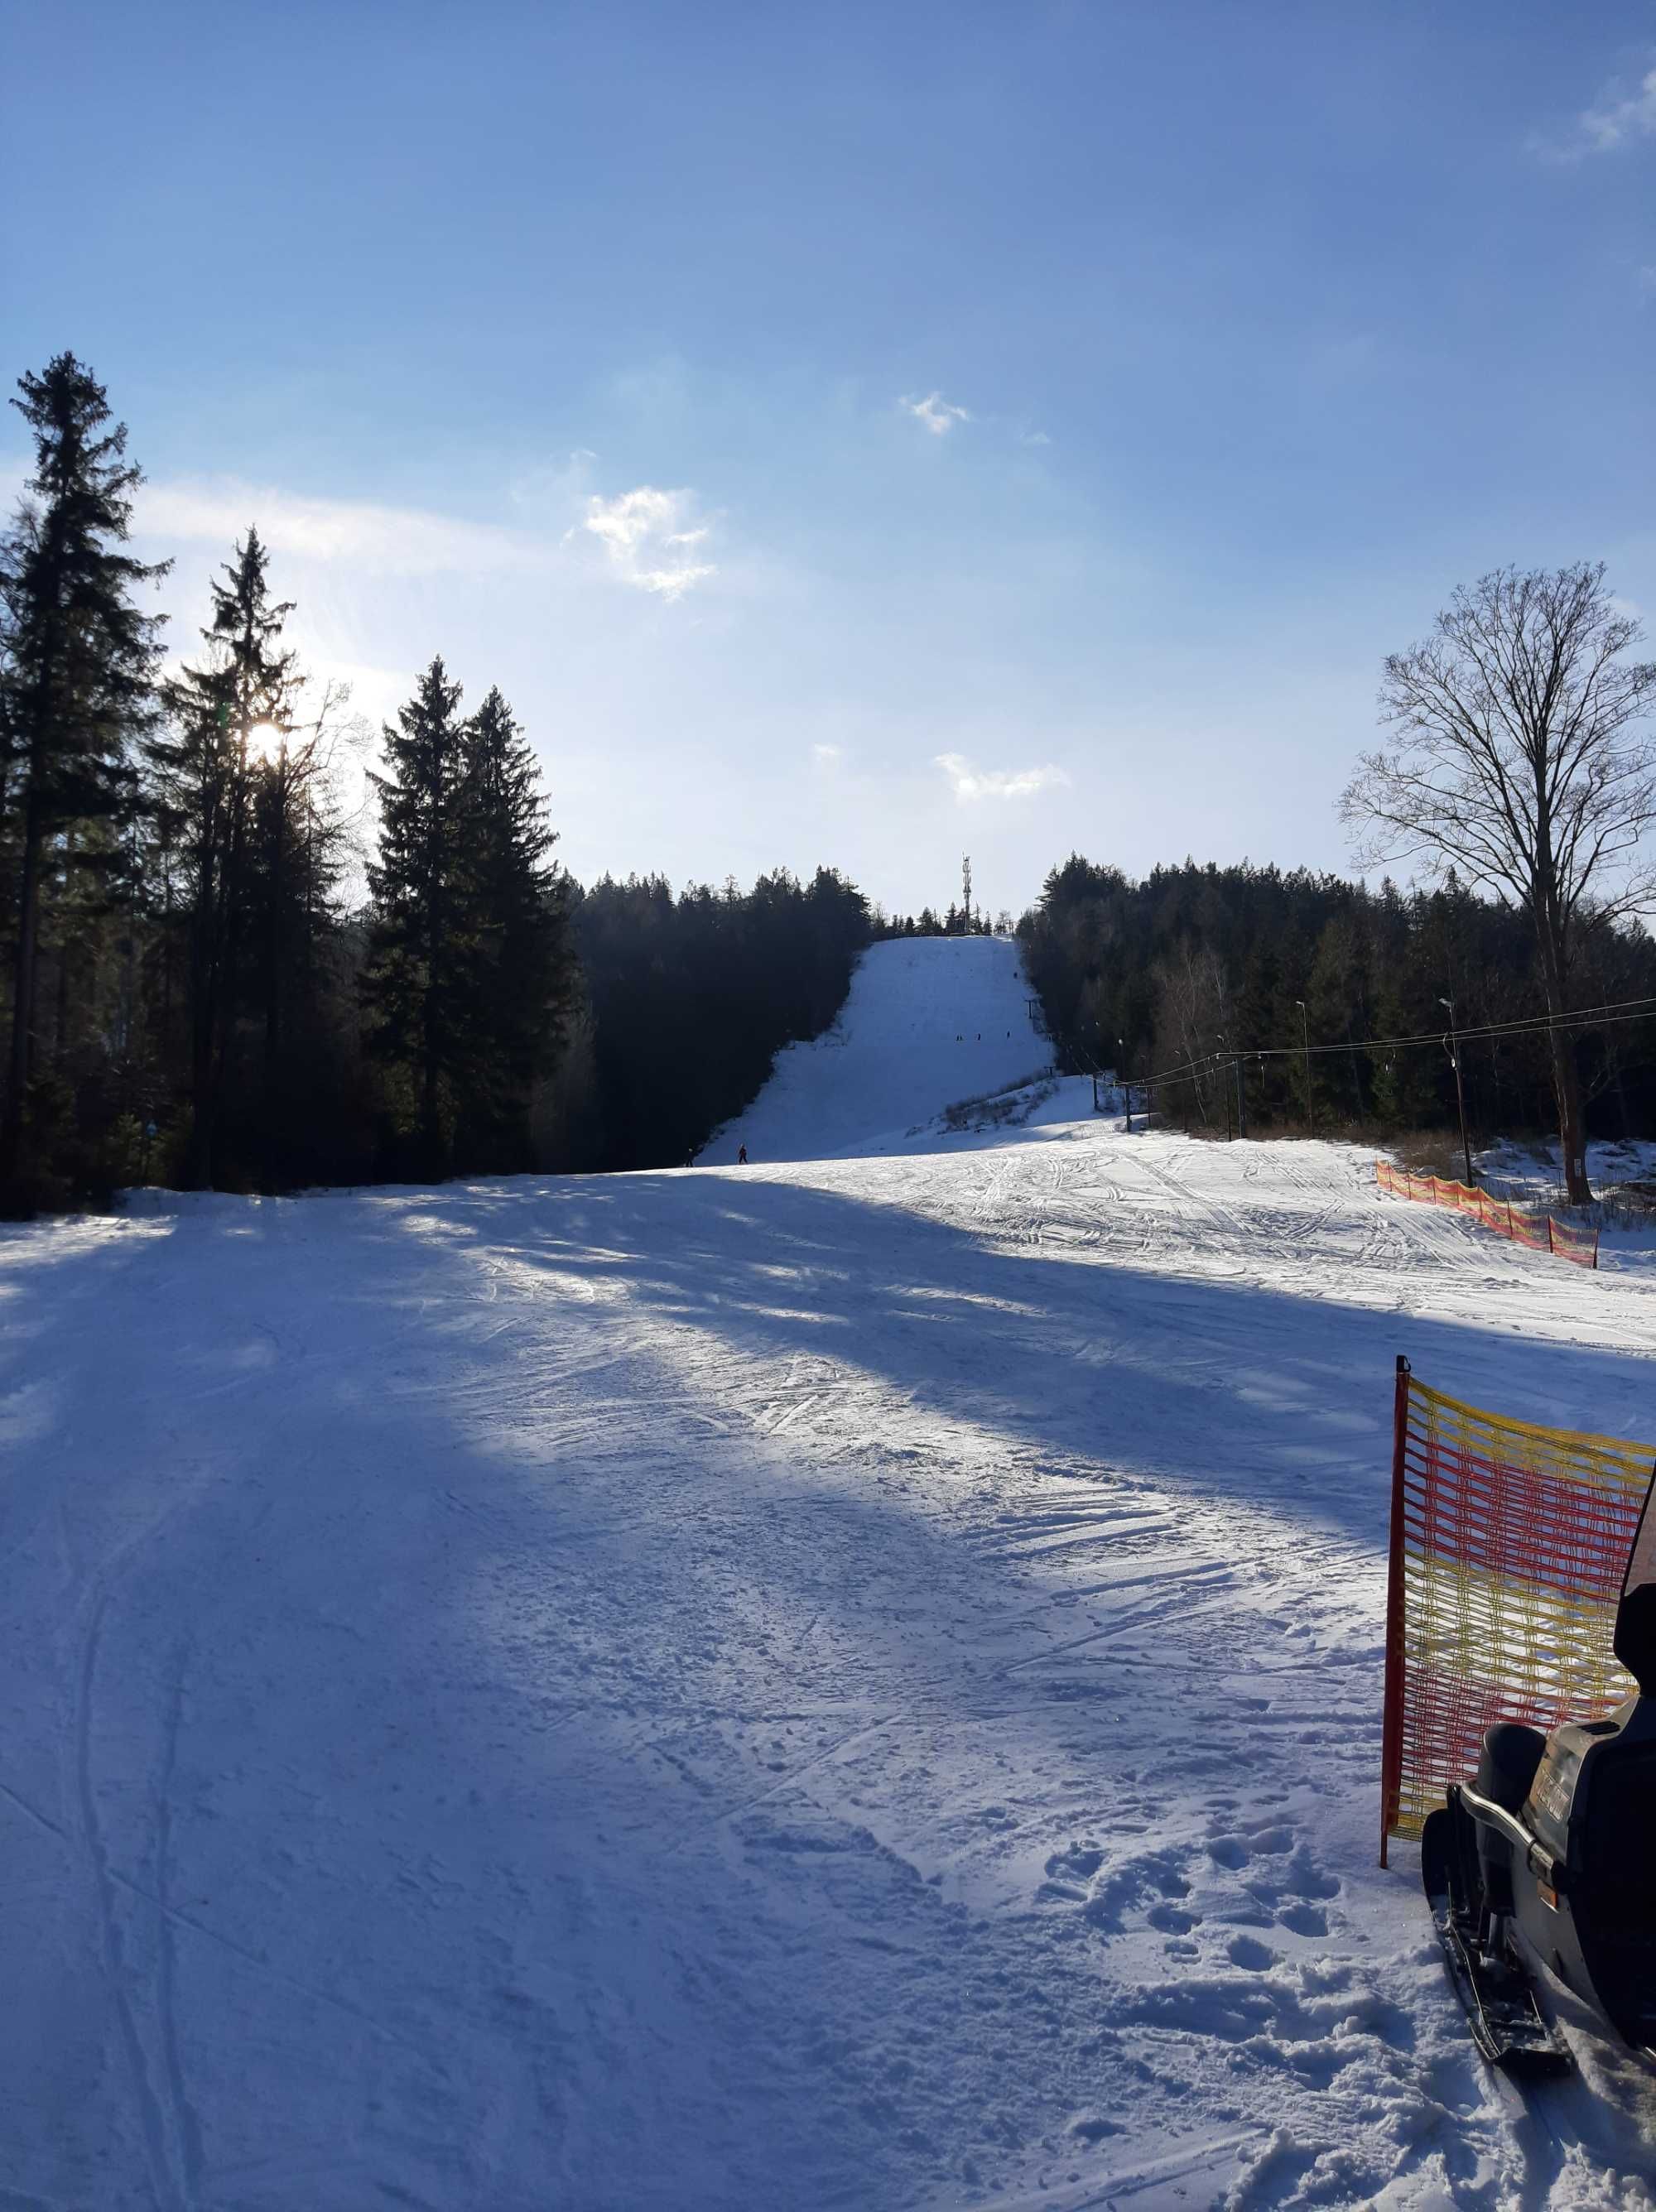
230,718
76,686
422,952
523,960
298,848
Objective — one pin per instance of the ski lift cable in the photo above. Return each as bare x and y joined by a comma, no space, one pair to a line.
1611,1015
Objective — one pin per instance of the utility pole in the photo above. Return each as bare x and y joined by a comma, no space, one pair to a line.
1224,1085
1126,1087
1451,1046
1305,1042
1241,1100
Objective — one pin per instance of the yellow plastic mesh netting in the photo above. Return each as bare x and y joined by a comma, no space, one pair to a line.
1509,1543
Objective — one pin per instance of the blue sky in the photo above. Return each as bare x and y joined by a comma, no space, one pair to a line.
872,433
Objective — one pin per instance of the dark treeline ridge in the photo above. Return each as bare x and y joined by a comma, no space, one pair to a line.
954,921
1149,976
691,998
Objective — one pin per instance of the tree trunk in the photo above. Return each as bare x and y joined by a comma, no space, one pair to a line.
22,1014
203,1021
1567,1082
1571,1129
275,966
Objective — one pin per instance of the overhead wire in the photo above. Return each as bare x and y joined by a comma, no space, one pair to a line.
1610,1015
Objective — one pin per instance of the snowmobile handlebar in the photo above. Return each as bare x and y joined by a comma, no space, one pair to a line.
1539,1860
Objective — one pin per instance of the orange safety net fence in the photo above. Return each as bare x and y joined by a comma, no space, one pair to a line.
1509,1543
1540,1232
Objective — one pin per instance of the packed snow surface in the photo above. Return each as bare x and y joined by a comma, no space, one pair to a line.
853,1685
929,1022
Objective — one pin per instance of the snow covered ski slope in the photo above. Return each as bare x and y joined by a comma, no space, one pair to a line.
929,1021
852,1685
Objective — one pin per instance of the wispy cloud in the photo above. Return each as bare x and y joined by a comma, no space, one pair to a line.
939,414
827,756
1620,116
1033,438
970,784
383,541
652,538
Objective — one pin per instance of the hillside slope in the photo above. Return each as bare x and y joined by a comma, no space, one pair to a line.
853,1685
929,1021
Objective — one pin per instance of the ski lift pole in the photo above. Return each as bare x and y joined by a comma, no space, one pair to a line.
1225,1086
1451,1046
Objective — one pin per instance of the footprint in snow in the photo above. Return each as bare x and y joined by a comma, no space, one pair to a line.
1093,2127
1170,1920
1078,1864
1302,1919
1245,1951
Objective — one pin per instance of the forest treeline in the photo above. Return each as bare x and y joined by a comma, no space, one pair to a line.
1194,966
247,944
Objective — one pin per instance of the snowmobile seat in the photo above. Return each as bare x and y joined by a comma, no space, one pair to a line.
1592,1807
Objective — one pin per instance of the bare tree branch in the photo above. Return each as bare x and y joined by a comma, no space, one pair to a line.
1517,763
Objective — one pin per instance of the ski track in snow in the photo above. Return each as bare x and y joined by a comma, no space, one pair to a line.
847,1683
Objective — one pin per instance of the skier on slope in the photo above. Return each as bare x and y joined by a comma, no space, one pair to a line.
741,1156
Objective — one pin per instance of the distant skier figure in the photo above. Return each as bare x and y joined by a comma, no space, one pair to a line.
741,1156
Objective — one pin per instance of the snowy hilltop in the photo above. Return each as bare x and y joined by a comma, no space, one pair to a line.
929,1021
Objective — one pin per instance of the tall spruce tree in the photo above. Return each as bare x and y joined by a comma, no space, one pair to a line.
230,718
422,966
522,955
297,854
76,687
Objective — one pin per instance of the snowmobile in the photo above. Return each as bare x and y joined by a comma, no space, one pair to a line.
1547,1860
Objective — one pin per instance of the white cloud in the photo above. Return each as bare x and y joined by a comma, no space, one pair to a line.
827,756
970,784
1033,438
1615,120
386,541
939,414
651,539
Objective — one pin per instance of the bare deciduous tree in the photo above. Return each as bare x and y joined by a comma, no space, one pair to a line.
1517,763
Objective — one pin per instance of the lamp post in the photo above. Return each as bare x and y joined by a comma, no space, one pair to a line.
1126,1087
1305,1047
1451,1046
